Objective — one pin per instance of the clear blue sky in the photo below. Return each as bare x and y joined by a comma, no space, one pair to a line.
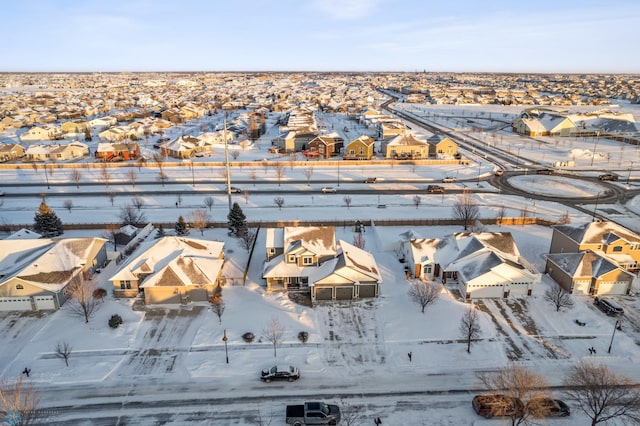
323,35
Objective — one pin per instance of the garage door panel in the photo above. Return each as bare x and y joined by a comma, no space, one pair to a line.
612,288
367,290
44,303
324,294
15,304
344,293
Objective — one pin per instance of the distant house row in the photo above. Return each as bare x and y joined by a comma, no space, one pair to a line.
592,259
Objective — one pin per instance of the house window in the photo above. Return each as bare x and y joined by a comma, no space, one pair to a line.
272,250
292,258
307,260
19,287
125,284
617,248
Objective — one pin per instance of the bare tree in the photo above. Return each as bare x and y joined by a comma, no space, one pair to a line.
199,219
466,210
524,212
359,241
208,202
76,177
217,305
235,154
558,297
132,176
112,197
81,301
265,165
179,199
159,159
278,201
500,215
109,234
20,403
278,168
565,219
245,195
308,172
423,293
470,326
130,216
603,395
417,200
247,237
273,332
351,415
138,202
163,177
63,351
253,175
347,201
68,204
105,176
517,382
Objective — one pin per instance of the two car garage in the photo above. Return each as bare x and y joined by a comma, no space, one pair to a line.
343,292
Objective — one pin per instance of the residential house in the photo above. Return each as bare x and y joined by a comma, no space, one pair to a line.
39,133
406,146
77,126
172,270
99,124
617,243
117,151
588,273
325,146
35,273
187,147
55,152
297,140
361,148
442,146
309,259
418,255
486,265
10,152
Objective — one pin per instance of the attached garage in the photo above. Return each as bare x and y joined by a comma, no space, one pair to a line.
44,303
495,291
581,287
323,293
618,287
367,290
344,293
15,304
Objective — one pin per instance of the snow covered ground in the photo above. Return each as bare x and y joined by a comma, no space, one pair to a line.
356,349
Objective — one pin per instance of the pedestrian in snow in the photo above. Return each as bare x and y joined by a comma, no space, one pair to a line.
26,371
409,355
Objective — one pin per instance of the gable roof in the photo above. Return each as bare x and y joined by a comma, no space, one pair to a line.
597,233
583,264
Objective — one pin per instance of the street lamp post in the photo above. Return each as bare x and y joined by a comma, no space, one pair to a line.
46,169
595,207
193,177
479,166
226,352
629,174
595,145
616,327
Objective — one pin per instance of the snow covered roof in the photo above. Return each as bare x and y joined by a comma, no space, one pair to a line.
583,264
597,233
320,240
24,234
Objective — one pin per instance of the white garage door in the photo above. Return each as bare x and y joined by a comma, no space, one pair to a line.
618,287
44,302
581,287
489,291
15,304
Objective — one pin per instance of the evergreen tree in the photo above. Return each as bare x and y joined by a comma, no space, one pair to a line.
47,222
87,134
181,227
237,220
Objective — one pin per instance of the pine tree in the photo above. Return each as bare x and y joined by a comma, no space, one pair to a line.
47,222
87,134
237,220
181,227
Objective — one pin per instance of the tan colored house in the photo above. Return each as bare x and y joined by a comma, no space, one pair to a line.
35,273
361,148
588,273
442,146
55,152
308,259
609,239
45,132
74,126
405,147
10,152
172,270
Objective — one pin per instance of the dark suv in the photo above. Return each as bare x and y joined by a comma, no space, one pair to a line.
607,306
497,405
544,171
608,176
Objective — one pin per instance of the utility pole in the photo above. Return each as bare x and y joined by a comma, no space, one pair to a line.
226,161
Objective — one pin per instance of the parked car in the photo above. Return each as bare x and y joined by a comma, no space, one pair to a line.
329,189
370,180
312,413
497,405
608,176
435,189
607,306
1,194
289,373
449,179
544,171
499,172
234,190
548,407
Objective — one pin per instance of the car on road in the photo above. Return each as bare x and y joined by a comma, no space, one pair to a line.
608,306
498,172
497,405
370,180
234,190
449,179
608,176
1,194
276,372
548,407
331,189
435,189
544,171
